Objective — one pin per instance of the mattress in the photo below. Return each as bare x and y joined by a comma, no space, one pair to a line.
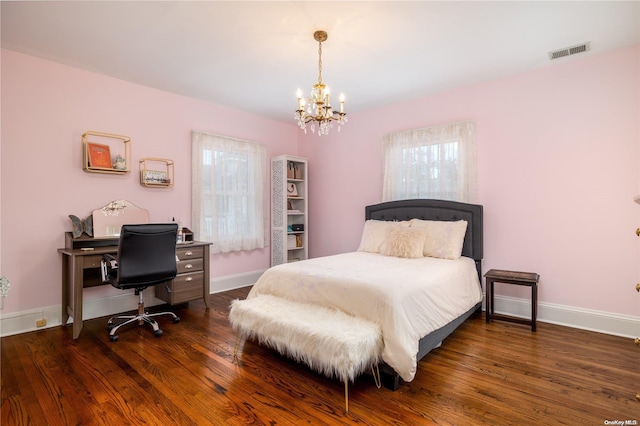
408,298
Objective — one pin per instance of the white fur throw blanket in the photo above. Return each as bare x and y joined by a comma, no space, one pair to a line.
327,340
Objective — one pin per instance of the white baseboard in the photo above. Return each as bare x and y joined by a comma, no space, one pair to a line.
231,282
25,321
587,319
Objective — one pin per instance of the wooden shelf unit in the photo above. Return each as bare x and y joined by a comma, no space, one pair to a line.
156,172
117,145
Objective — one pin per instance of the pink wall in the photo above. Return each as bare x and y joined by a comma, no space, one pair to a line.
45,109
558,151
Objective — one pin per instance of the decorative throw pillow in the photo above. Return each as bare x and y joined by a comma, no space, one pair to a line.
373,234
444,238
403,242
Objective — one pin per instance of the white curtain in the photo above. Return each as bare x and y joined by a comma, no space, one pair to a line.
434,162
228,192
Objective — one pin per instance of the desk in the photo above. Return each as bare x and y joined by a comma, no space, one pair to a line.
81,269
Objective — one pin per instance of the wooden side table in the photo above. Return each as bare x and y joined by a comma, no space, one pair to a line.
512,277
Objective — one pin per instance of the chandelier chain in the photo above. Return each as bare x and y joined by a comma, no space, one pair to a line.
320,62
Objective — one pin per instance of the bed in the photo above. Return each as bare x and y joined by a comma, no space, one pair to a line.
416,300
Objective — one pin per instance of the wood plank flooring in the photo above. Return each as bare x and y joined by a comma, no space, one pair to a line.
495,374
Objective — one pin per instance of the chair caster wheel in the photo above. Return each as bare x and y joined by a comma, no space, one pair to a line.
176,320
157,333
113,338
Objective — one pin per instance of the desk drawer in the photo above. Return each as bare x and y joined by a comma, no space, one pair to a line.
182,289
186,253
91,261
187,266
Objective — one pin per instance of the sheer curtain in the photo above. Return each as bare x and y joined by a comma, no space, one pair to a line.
228,192
433,162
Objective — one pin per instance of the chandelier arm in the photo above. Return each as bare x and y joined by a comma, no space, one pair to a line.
310,118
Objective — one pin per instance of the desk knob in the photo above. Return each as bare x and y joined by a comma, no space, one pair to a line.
190,253
188,266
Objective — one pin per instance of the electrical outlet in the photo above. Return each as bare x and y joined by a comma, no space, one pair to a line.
41,322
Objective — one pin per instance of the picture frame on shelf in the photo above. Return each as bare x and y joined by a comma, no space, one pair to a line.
156,172
99,155
292,190
155,177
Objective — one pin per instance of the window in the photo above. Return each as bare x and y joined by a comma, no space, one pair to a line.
228,192
434,162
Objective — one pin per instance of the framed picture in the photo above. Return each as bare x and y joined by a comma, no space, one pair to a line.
155,177
99,155
292,190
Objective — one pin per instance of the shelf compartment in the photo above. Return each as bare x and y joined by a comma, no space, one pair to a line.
156,172
100,152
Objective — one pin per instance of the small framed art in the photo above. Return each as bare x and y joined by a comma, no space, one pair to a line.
99,155
156,172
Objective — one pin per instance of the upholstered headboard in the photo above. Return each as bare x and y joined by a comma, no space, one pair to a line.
436,210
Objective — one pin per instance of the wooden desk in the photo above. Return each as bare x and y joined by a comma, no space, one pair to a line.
81,269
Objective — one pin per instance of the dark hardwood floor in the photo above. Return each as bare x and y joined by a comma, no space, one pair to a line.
496,374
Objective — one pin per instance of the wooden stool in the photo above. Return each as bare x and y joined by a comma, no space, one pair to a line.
512,277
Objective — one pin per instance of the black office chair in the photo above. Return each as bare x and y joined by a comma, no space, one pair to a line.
146,257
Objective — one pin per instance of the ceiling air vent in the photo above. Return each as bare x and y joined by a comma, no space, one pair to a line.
579,48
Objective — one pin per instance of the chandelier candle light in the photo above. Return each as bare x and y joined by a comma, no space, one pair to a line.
319,103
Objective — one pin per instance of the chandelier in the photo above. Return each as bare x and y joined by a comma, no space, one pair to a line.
318,106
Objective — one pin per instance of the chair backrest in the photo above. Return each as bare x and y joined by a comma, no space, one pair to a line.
146,254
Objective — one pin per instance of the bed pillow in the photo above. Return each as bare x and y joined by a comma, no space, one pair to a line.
374,232
444,238
404,242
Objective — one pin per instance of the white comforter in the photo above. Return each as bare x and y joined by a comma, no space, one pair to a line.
408,298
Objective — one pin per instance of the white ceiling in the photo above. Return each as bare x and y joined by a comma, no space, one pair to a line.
254,55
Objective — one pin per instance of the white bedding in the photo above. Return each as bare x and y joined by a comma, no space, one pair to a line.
408,298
